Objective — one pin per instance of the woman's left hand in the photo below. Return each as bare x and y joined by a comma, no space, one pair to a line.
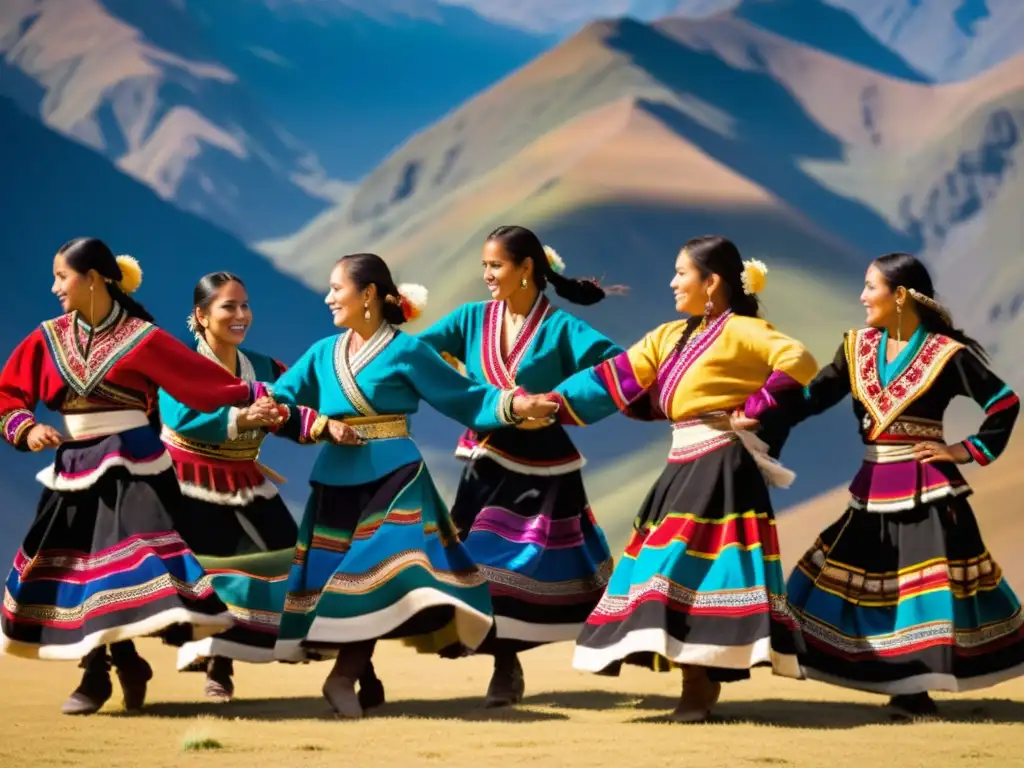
930,452
533,407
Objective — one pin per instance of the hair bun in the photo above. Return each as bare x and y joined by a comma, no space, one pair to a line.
131,274
755,276
554,260
412,298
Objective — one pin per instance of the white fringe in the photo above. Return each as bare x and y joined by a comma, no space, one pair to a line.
49,478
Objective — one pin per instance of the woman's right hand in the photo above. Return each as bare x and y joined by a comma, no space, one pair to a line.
340,433
263,413
41,437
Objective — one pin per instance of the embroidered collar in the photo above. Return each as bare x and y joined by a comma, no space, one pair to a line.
499,369
681,360
885,402
245,370
112,339
889,370
347,367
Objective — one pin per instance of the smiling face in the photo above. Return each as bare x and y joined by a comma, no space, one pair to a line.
229,315
345,300
501,275
878,298
71,288
688,287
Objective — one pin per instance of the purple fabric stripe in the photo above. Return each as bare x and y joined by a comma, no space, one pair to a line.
540,530
14,423
625,377
762,400
905,479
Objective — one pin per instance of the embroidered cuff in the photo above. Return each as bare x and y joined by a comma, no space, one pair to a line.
977,451
565,414
764,400
15,426
306,417
317,428
505,413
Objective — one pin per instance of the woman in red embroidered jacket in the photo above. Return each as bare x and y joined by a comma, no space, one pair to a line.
900,596
103,562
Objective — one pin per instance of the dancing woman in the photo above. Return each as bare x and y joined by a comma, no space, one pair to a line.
521,508
103,562
900,595
699,584
378,556
237,524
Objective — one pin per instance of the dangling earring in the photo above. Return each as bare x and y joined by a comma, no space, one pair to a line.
522,283
366,306
899,323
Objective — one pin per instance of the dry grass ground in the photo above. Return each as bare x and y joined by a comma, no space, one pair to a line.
568,718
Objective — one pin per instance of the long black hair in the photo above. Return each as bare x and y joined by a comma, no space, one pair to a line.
717,255
902,269
366,269
206,291
85,253
521,244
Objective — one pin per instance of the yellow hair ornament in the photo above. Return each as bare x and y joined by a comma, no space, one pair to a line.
755,276
131,274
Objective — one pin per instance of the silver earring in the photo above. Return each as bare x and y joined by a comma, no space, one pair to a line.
899,322
366,306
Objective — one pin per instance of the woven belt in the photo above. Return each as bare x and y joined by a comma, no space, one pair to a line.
694,438
232,450
889,454
912,430
379,427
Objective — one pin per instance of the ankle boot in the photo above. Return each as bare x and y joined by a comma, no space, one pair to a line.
219,685
340,686
133,672
507,682
698,697
371,689
95,688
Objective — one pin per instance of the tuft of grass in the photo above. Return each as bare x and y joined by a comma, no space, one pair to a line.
199,741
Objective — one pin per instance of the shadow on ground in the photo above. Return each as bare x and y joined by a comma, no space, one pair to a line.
785,713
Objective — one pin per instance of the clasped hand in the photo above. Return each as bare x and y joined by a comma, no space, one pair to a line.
263,413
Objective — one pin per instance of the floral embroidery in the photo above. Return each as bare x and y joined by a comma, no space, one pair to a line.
113,339
884,404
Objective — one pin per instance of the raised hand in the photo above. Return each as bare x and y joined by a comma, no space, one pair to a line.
533,407
41,437
340,433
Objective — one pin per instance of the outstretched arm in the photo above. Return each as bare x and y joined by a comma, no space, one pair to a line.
613,385
190,378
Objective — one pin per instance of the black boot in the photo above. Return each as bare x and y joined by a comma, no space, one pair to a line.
371,689
133,672
94,690
914,705
507,683
219,685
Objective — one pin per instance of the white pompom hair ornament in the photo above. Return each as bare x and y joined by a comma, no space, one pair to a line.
755,276
554,260
412,298
131,274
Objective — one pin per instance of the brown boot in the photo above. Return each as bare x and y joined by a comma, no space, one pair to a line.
133,672
340,686
219,685
95,688
698,698
507,683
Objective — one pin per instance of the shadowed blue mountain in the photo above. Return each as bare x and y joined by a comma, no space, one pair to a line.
352,82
